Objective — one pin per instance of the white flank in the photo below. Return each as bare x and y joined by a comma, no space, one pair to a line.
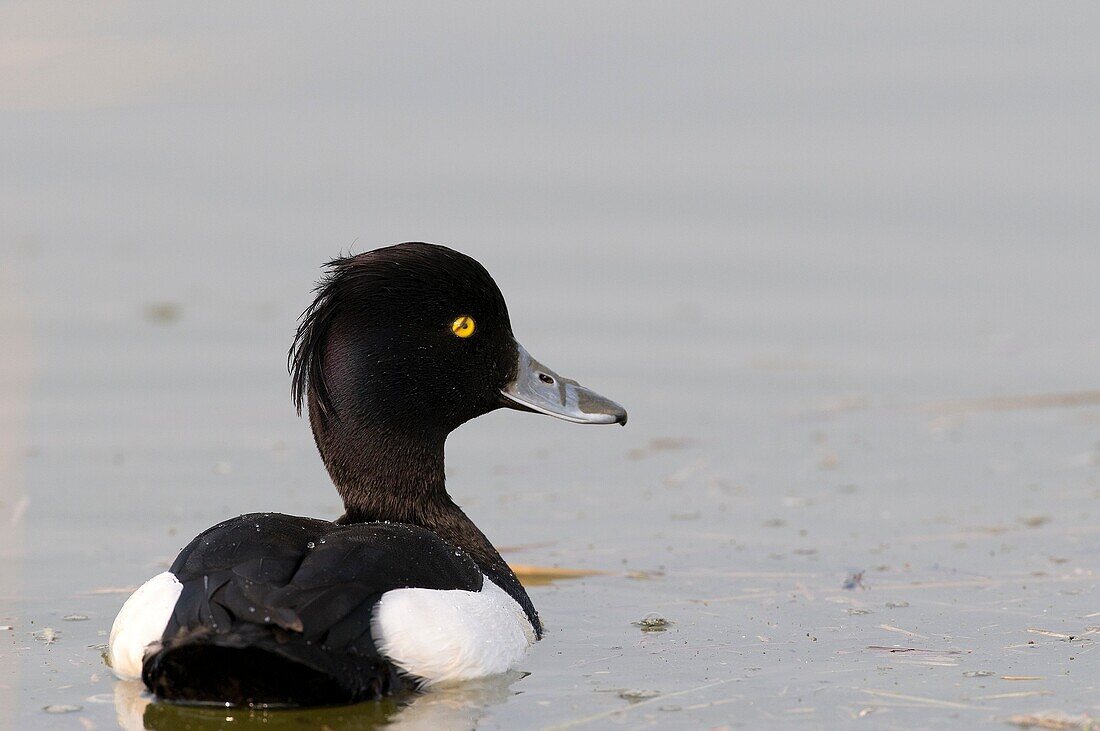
446,636
141,622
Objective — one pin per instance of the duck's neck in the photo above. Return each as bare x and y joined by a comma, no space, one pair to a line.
385,475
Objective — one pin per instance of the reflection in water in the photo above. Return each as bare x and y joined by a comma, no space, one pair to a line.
457,706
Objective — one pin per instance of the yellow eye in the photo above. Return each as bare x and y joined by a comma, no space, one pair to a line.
463,327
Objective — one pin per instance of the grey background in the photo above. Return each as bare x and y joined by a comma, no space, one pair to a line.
839,260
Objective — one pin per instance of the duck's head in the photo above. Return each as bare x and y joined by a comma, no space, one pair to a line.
415,339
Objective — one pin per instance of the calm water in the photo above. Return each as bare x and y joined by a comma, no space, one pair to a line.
841,268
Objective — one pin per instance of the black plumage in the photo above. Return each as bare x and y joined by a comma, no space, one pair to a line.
277,609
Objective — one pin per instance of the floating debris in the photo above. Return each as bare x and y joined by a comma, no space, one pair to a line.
1034,521
162,313
75,617
635,694
542,575
854,580
644,575
47,634
891,628
856,611
1015,694
896,648
979,674
62,708
896,605
1048,633
653,622
1056,720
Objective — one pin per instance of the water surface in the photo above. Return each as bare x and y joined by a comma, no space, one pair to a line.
840,266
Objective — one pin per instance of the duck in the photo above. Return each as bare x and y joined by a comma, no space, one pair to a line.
400,346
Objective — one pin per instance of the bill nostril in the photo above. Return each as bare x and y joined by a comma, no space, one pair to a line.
546,378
